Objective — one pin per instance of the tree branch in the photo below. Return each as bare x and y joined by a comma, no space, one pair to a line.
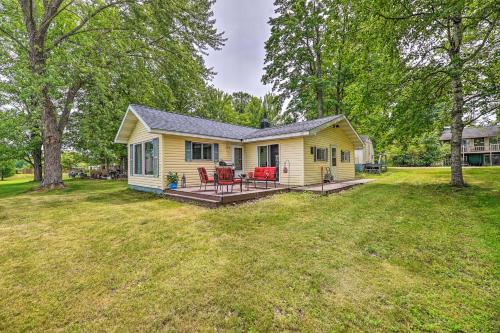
68,104
483,42
52,11
14,39
73,31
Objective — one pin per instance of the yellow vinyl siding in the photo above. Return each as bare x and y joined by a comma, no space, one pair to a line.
173,153
301,171
289,149
139,134
324,139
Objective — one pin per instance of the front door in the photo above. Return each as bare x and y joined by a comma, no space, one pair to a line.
333,161
238,160
274,158
269,156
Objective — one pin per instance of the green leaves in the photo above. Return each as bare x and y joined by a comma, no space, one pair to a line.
116,53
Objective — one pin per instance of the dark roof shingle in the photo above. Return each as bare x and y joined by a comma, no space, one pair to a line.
473,132
303,126
174,122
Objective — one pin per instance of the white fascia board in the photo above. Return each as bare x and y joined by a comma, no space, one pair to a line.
129,109
333,122
276,137
158,131
328,124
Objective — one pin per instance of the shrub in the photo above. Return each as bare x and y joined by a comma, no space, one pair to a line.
7,168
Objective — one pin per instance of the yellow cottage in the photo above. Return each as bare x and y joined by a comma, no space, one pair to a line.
159,142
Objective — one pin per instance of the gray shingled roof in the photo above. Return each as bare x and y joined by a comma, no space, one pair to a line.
303,126
174,122
473,132
365,138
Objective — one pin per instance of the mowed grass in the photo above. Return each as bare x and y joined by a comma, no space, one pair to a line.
404,253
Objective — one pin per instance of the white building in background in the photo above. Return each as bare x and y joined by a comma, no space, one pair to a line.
480,145
365,155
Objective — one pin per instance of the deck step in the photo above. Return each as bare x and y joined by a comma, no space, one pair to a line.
192,199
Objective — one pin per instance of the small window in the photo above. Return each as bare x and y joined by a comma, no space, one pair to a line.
138,159
479,142
207,152
321,154
334,156
148,158
262,156
345,156
202,151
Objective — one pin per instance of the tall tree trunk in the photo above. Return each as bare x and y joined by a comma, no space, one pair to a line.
51,145
338,88
457,125
52,155
319,86
37,163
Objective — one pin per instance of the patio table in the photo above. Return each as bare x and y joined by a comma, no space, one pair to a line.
244,179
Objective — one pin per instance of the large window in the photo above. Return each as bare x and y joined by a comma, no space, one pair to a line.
479,142
138,159
148,158
345,156
494,140
202,151
145,158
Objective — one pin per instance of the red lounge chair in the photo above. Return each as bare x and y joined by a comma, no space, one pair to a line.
263,174
224,177
204,179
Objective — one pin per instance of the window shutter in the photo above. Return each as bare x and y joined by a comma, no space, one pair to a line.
215,152
156,157
188,151
131,160
314,152
326,154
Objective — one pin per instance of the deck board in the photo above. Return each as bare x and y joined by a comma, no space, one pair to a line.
331,188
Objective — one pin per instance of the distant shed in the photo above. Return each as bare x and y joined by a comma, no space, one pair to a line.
365,155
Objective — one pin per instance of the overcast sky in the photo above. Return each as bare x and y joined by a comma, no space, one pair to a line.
239,64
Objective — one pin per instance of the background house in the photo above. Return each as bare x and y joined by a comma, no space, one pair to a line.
480,145
160,142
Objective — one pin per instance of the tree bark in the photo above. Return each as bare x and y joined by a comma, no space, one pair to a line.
51,144
457,125
37,164
456,133
52,155
319,86
319,70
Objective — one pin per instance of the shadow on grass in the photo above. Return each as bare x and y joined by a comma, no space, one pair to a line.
13,189
121,197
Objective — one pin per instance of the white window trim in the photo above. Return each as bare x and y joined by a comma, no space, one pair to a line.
342,160
143,157
202,144
325,155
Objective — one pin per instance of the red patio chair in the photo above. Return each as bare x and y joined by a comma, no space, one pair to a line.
224,177
204,179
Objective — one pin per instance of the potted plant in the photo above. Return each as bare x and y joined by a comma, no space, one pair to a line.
172,179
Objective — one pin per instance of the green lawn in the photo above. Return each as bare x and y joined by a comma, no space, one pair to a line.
404,253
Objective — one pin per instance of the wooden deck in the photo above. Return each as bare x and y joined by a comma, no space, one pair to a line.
331,188
211,199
